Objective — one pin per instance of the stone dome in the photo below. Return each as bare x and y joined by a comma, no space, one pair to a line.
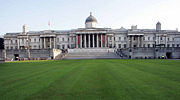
91,19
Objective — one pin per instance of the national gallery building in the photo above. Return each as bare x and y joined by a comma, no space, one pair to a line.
92,38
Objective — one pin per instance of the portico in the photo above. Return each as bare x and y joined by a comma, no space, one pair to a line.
135,40
90,40
47,41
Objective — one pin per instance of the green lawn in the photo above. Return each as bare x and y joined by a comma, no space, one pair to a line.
102,79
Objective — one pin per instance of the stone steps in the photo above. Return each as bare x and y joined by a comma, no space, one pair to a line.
92,56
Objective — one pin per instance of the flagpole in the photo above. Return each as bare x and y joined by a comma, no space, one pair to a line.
49,24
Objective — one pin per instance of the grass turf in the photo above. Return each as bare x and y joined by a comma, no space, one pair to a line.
103,79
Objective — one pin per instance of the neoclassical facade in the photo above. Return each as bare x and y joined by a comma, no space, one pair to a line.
92,37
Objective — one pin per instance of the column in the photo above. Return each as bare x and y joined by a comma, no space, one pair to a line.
76,41
93,40
142,41
128,44
44,43
165,41
17,43
112,41
50,43
101,41
54,42
131,41
138,41
85,40
40,43
80,40
97,41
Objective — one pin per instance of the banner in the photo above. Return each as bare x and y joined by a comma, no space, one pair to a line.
78,39
103,39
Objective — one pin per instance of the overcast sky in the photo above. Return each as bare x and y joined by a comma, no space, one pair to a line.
71,14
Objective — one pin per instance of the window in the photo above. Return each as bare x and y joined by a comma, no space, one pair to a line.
172,45
148,38
119,38
62,39
34,39
177,45
134,38
148,45
16,41
124,45
153,45
11,41
168,45
144,45
173,39
62,46
124,38
154,38
57,39
168,39
119,45
161,38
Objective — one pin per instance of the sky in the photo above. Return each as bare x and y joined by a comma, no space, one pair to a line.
71,14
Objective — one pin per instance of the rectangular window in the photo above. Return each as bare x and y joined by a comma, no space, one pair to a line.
124,45
168,45
124,38
172,45
148,45
119,38
177,45
57,39
62,46
119,45
148,38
